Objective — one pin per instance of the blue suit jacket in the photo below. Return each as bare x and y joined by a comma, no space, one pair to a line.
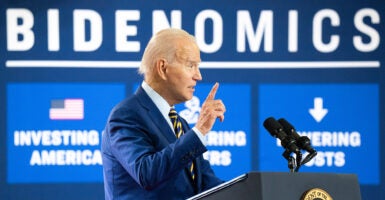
142,159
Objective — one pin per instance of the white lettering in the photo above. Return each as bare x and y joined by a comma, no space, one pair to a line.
218,158
122,30
53,30
333,139
217,36
263,30
374,36
328,159
317,30
293,31
80,18
226,138
56,138
20,37
251,32
66,157
339,159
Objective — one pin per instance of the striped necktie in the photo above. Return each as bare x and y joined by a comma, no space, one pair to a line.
177,124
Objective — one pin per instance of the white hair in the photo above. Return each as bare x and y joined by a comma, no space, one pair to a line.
162,45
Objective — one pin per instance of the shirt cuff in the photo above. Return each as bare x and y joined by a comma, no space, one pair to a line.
200,135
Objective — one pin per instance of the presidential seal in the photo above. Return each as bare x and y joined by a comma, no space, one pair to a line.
316,194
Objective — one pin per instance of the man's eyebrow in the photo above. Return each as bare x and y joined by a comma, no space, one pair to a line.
195,62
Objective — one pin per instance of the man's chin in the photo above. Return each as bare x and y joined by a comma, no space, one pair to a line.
188,98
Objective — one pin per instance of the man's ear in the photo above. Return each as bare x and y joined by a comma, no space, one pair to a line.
161,68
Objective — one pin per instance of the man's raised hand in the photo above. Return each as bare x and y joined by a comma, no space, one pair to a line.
211,110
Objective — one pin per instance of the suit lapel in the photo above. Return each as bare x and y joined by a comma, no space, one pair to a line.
155,115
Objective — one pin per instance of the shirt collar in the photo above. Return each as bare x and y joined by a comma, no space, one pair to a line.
158,100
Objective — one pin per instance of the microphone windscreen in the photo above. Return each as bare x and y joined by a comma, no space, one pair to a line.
285,124
272,126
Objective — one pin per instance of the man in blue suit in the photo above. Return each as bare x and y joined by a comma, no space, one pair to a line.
142,157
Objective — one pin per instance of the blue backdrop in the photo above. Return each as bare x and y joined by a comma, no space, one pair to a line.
65,64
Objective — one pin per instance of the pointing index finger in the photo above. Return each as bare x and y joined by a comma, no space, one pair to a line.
213,91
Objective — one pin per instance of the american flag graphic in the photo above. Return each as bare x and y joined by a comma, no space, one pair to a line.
67,109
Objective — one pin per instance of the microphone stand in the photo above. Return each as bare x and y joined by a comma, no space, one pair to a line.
289,144
295,164
310,156
299,158
291,164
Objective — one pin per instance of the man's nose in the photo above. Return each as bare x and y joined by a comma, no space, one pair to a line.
197,75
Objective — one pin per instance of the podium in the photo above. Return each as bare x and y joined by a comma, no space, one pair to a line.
291,186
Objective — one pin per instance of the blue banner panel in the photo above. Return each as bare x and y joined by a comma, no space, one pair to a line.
54,130
341,120
228,143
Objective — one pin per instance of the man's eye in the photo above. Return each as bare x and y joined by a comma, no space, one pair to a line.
190,66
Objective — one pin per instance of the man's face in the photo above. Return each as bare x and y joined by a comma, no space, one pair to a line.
183,73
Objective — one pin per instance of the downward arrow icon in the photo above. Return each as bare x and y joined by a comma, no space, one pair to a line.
318,112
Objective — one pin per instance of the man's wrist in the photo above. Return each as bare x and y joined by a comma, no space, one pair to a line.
200,135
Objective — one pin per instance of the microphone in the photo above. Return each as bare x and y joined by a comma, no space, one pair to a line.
302,142
276,130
